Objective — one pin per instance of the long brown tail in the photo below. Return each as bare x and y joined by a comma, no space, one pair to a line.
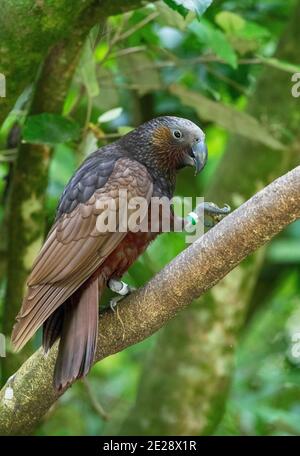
52,327
77,324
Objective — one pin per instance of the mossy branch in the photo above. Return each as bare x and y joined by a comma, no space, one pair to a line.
189,275
29,29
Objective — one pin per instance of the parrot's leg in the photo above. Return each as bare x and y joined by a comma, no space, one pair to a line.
212,211
122,288
208,213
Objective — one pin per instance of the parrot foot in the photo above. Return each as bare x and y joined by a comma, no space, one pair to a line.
213,212
114,302
122,288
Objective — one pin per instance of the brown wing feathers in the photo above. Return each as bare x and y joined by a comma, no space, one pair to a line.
52,328
73,251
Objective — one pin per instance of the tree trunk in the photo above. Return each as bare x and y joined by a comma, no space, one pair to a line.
28,30
26,206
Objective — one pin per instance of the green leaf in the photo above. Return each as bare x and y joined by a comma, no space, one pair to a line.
254,31
215,40
50,129
230,22
63,164
88,71
229,118
71,100
124,130
171,18
244,36
88,144
109,96
110,115
233,24
185,6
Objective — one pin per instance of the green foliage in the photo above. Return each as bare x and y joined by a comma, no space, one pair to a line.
168,59
215,40
88,71
245,36
225,116
265,390
50,129
185,6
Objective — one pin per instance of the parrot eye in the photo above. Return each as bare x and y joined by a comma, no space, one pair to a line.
177,134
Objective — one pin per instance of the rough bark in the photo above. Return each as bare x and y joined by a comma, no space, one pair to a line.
28,30
184,391
147,310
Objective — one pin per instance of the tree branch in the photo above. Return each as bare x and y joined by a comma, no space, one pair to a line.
194,271
204,354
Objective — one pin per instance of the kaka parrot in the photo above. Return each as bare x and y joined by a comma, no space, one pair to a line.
77,261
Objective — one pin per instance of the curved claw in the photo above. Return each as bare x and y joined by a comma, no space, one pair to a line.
114,302
226,209
213,212
212,208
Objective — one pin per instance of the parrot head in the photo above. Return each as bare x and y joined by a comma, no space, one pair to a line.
169,143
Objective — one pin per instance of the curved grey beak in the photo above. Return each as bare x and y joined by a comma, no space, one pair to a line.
199,155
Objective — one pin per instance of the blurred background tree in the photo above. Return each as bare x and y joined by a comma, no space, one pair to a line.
230,364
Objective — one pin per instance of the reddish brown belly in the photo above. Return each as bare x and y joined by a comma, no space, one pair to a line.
120,260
